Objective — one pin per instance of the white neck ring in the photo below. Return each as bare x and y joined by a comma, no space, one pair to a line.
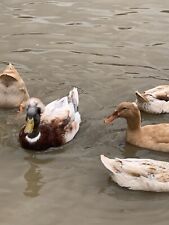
33,140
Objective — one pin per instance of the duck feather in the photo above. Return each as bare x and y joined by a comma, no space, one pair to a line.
139,174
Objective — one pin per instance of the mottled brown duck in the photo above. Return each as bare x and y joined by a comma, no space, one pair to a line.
52,125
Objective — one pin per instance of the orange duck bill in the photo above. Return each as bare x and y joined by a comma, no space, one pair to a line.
111,118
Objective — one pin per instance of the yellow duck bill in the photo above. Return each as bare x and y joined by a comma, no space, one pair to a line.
29,126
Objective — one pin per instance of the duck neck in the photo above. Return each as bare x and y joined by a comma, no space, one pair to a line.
34,133
134,123
34,136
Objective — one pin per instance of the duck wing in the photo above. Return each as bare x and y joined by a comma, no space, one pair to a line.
160,92
62,109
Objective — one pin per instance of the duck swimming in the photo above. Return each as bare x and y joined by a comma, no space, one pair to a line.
154,137
13,91
52,125
139,174
155,100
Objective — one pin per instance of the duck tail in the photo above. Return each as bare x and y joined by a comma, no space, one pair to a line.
74,98
107,163
141,97
114,165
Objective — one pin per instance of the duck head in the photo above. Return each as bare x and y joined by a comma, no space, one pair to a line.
127,110
34,110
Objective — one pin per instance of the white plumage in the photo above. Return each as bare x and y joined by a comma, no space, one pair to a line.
139,174
62,108
155,100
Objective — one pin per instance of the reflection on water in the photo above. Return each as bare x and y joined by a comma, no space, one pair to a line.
34,176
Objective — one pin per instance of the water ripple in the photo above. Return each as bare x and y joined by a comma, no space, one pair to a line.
125,65
26,16
31,33
165,11
156,44
94,53
153,77
139,8
29,50
62,4
124,28
125,13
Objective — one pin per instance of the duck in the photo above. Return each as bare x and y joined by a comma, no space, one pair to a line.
52,125
13,91
155,100
153,137
139,174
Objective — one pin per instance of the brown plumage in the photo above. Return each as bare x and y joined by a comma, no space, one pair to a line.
13,91
51,136
154,137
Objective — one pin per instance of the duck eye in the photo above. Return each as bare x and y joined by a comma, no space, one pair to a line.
124,108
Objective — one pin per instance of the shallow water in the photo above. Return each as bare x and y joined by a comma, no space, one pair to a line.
108,49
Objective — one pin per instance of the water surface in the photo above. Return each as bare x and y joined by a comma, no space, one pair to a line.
108,49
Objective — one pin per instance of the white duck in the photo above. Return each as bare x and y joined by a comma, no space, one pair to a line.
52,125
155,100
139,174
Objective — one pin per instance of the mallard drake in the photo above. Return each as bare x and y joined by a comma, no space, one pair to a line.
52,125
154,137
139,174
155,100
13,91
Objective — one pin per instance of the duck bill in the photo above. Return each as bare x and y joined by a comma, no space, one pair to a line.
141,97
111,118
29,126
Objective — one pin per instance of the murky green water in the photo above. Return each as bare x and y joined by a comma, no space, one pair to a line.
108,49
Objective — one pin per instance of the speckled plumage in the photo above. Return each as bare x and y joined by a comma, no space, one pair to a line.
139,174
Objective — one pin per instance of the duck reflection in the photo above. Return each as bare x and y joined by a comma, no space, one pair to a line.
34,177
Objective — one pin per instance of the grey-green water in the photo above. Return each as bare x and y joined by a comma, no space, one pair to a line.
108,49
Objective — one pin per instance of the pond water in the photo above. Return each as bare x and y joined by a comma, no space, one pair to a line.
108,49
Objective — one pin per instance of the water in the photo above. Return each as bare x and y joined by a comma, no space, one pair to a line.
108,49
